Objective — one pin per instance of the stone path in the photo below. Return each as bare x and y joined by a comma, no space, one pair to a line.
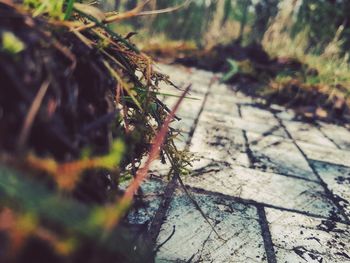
273,188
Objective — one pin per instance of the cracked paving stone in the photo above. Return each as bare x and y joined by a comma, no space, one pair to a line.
267,188
298,238
337,179
219,143
279,155
329,155
307,132
193,240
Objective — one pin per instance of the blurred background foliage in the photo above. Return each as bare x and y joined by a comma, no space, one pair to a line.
314,34
216,21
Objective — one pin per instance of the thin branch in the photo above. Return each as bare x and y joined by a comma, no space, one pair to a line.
141,174
33,111
137,12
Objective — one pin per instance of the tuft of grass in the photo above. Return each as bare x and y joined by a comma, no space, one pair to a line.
95,97
332,67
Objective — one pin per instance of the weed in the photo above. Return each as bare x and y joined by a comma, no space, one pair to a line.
77,124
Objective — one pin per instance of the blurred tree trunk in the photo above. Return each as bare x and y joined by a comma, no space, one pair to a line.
117,4
265,11
213,32
244,5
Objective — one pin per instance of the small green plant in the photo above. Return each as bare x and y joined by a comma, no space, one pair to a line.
11,44
54,8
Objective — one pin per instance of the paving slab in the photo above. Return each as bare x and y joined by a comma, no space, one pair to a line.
286,114
267,188
221,89
201,76
246,165
337,179
253,113
338,134
224,105
189,109
235,122
216,118
193,240
219,143
280,155
325,154
308,132
299,238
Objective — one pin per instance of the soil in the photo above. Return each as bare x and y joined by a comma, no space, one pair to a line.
310,103
78,111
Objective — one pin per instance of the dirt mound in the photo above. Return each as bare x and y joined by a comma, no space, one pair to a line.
78,112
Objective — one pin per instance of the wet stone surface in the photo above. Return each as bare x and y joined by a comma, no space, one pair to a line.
274,188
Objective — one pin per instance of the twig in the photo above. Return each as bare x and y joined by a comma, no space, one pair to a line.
137,12
33,111
141,174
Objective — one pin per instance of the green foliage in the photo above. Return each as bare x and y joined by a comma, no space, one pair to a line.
69,9
323,18
53,7
11,44
234,69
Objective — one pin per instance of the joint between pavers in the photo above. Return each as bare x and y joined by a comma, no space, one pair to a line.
250,155
256,203
158,219
163,208
328,138
328,192
266,235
